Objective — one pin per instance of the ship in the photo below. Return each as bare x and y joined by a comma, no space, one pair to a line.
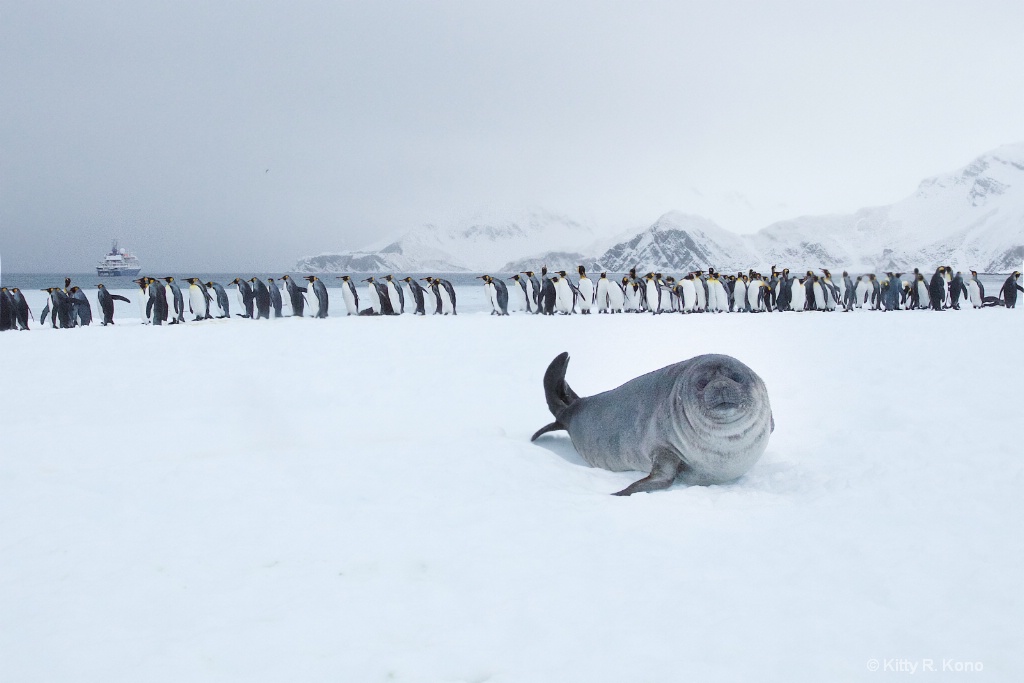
118,262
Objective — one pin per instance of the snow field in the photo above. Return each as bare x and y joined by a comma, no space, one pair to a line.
358,499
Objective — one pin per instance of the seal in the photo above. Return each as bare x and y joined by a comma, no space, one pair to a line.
703,421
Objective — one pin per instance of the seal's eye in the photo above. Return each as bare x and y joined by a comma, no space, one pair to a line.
701,384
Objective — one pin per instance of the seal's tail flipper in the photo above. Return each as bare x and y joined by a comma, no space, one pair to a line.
553,427
557,393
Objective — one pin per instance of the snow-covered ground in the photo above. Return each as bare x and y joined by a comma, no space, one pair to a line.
357,499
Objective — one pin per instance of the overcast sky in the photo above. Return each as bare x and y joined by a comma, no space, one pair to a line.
243,135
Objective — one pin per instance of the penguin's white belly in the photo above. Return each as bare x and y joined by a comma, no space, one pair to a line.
629,297
563,297
819,296
350,301
721,297
396,302
739,296
446,301
752,290
651,292
586,288
430,300
712,297
702,298
143,298
974,293
603,300
922,295
616,297
197,301
373,298
494,298
799,297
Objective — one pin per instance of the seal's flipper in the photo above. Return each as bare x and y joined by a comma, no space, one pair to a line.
667,466
553,427
558,394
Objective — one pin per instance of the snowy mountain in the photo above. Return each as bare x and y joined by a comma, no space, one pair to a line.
479,243
679,242
971,218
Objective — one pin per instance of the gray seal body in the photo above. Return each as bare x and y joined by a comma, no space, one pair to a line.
703,421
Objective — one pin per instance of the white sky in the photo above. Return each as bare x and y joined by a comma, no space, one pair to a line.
158,121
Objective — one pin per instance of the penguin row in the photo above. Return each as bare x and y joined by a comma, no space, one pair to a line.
163,300
750,292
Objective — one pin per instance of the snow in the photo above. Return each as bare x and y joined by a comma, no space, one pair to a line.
357,499
971,218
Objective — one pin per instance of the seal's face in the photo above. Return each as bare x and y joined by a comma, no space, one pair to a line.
720,389
724,388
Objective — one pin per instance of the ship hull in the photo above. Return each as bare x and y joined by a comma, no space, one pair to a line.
117,272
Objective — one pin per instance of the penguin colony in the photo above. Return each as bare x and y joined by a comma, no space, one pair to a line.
750,292
163,300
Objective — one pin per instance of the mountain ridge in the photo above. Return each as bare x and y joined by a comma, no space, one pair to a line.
972,217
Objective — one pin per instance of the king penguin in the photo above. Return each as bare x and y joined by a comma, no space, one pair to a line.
349,295
261,297
106,301
320,292
586,290
418,294
1010,288
395,294
245,297
276,302
219,298
81,309
177,299
22,313
198,299
522,286
295,296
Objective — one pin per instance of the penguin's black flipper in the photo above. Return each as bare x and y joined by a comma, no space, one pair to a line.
553,427
118,297
42,318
